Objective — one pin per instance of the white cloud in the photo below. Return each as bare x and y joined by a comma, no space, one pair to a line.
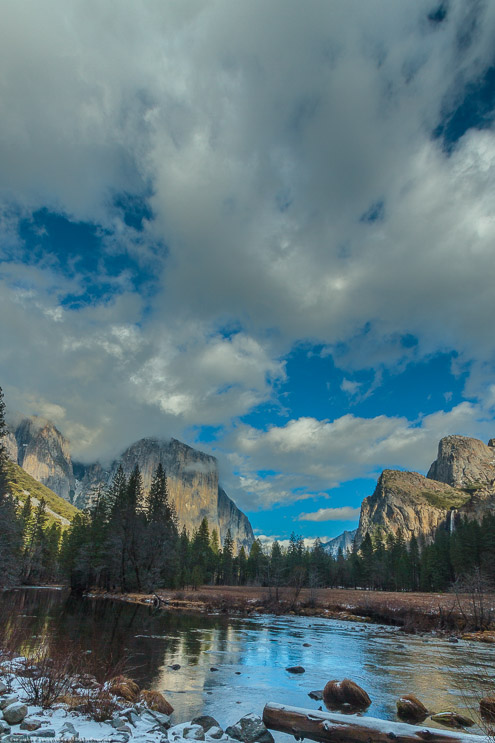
344,513
309,456
260,133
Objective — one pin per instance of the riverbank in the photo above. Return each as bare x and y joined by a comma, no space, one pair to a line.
44,701
413,612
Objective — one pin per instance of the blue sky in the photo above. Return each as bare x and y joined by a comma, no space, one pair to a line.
264,229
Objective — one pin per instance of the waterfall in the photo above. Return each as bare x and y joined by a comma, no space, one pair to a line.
452,514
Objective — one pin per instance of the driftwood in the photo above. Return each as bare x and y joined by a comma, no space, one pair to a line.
338,728
158,601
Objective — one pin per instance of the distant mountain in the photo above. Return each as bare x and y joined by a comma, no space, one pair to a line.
344,542
23,486
37,446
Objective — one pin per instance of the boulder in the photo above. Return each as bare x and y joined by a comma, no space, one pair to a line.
216,733
452,720
8,700
156,702
156,718
15,713
30,724
175,666
345,693
193,732
44,733
206,722
250,729
295,669
410,708
487,708
3,688
4,728
68,731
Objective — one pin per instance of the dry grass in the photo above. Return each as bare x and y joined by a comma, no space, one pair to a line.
123,687
156,701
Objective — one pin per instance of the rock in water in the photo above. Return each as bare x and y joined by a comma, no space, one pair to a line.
410,708
295,669
345,693
15,713
452,720
250,729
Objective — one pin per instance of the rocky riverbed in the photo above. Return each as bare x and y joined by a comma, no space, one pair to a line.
99,712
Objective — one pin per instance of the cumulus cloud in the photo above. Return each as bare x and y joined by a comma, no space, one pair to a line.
294,191
308,456
344,513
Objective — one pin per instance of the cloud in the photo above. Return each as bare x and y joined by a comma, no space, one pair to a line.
345,513
256,146
307,456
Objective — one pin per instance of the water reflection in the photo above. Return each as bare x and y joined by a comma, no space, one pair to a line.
250,654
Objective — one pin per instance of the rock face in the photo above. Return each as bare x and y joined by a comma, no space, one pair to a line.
464,462
344,542
192,478
460,482
41,450
410,502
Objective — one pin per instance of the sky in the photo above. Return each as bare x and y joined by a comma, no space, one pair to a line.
265,229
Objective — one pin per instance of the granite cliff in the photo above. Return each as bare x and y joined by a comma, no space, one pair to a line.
460,482
343,542
41,450
37,446
193,485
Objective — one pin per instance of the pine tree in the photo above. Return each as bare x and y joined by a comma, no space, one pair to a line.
228,560
10,541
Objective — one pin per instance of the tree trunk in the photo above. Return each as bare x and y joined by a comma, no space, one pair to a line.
338,728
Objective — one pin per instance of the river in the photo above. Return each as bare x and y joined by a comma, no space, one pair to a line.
251,655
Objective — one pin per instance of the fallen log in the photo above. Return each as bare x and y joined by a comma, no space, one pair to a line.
338,728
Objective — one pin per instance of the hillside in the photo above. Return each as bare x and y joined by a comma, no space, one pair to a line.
23,485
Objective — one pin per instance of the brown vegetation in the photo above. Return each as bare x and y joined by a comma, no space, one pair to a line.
156,701
412,611
124,687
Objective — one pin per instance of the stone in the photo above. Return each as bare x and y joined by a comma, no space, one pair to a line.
175,666
487,708
118,722
193,732
452,720
295,669
317,695
15,713
68,731
3,688
213,668
8,700
206,722
215,732
156,718
43,733
410,708
306,644
250,729
30,724
453,639
345,693
4,728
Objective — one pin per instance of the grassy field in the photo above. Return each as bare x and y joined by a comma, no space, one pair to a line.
23,486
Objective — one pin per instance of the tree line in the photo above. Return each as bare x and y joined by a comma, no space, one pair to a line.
129,540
